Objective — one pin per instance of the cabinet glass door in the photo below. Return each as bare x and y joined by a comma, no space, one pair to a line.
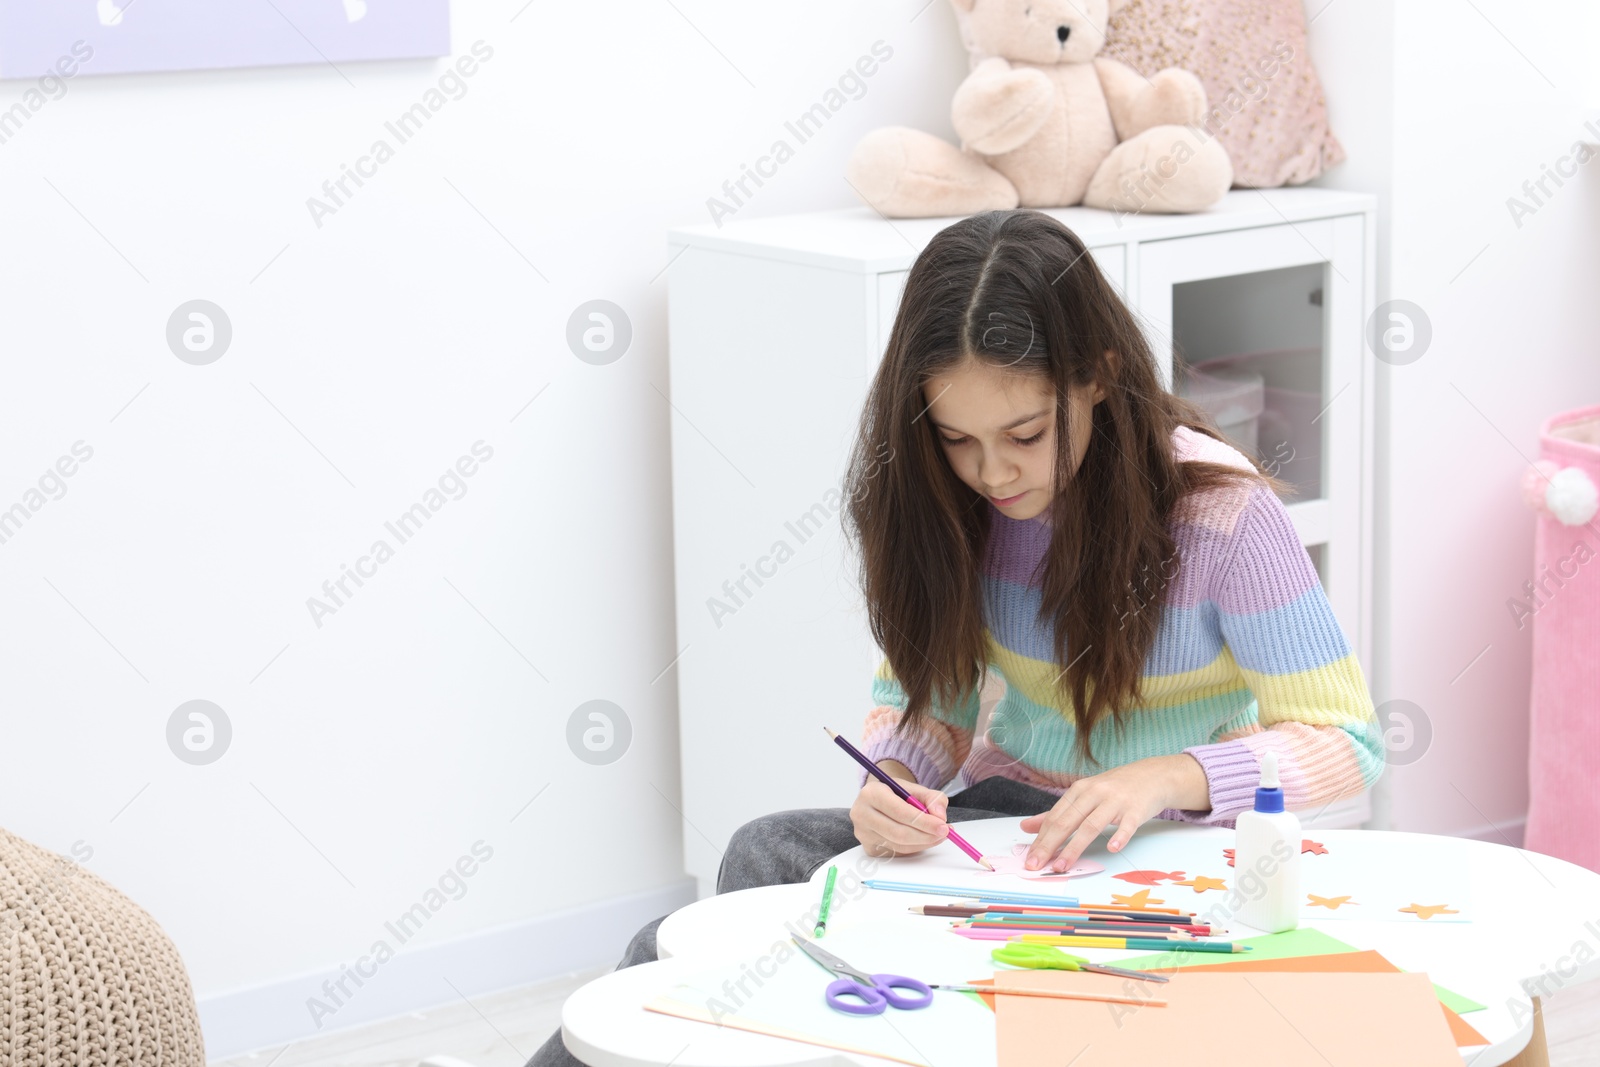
1248,349
1262,329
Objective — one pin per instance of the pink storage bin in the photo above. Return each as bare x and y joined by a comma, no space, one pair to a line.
1288,430
1233,399
1561,604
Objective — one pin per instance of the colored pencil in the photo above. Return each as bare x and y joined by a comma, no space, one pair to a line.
997,896
1109,931
1125,929
1152,944
987,935
1060,994
967,911
1085,931
1090,940
1072,931
993,918
1045,916
827,899
1136,929
1026,903
900,791
1133,915
1009,896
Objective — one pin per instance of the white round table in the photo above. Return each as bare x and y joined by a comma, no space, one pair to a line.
1535,919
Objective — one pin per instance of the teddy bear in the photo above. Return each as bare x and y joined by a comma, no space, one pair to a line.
1045,122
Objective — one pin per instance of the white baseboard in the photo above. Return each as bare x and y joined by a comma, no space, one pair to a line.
536,950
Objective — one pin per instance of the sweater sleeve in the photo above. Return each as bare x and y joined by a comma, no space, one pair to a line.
1311,700
933,751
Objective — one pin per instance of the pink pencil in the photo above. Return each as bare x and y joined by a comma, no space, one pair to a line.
986,933
888,779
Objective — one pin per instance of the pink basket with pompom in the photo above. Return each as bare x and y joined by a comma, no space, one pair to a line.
1561,604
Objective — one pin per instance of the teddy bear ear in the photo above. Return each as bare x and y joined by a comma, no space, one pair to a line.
1113,6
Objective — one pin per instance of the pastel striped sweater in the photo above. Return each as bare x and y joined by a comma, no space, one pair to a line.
1248,657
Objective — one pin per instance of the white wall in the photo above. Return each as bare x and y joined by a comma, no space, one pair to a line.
1447,110
371,753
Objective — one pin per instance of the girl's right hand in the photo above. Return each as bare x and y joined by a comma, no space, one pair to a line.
888,826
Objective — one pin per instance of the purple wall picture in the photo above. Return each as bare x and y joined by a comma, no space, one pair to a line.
124,36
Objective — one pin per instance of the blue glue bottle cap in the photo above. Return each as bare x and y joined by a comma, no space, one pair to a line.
1269,796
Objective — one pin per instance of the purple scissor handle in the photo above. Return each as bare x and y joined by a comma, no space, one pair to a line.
872,999
859,993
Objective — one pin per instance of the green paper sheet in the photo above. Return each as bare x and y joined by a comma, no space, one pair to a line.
1455,1001
1302,941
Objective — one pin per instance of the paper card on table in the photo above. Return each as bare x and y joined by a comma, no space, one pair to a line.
1360,962
1291,944
1214,1019
1302,941
1354,962
1013,865
672,1004
954,1031
1456,1002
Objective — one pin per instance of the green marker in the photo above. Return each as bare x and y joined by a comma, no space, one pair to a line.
827,899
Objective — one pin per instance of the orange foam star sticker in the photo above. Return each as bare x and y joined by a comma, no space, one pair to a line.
1316,848
1331,903
1428,911
1141,899
1200,883
1149,877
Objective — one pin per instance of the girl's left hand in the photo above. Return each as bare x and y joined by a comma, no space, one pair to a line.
1128,796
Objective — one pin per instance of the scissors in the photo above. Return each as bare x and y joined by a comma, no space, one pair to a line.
1048,957
871,993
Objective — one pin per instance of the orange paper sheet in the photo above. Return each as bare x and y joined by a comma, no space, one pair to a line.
1216,1019
1341,962
668,1006
1353,963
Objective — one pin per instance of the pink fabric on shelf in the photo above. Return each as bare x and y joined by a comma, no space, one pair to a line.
1563,609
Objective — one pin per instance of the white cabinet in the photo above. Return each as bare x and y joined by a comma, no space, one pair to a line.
775,327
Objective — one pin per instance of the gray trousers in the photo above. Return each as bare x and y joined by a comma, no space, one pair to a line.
789,846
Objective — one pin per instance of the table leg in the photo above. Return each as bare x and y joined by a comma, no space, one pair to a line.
1537,1052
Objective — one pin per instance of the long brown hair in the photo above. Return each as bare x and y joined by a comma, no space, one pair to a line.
1018,290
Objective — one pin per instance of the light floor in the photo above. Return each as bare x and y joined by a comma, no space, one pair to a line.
497,1030
504,1029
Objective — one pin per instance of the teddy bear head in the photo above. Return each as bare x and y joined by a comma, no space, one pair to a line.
1036,31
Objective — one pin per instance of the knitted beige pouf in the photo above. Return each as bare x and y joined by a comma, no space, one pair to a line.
87,977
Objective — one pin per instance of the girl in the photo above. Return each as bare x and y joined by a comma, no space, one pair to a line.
1049,511
1052,513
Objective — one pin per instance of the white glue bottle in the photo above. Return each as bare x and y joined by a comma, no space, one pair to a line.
1267,846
